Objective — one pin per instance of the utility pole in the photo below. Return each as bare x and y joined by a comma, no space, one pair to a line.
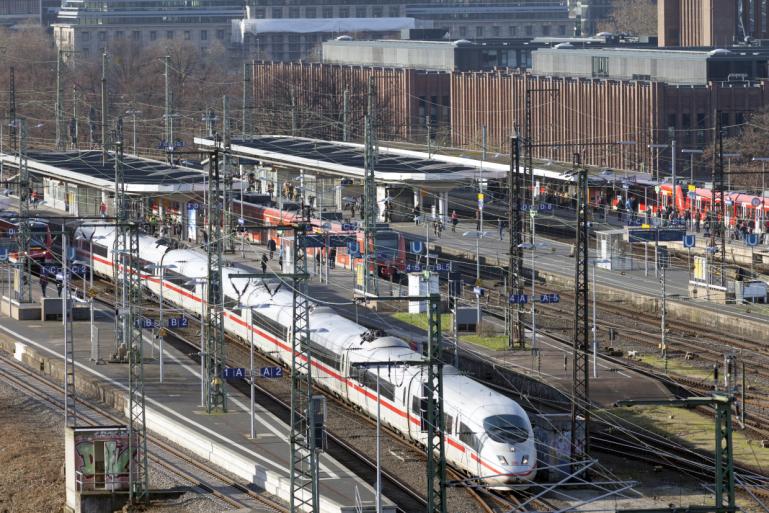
73,130
24,235
70,401
216,395
168,134
515,259
428,124
304,449
345,115
248,107
718,220
60,145
293,114
229,241
663,327
369,196
13,132
673,173
580,406
104,109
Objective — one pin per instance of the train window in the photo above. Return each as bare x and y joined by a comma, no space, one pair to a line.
386,389
415,405
448,423
100,250
178,280
506,429
325,356
467,436
269,325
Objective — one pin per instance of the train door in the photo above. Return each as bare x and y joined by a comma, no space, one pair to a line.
413,404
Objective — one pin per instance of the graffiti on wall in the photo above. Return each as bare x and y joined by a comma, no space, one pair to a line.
102,459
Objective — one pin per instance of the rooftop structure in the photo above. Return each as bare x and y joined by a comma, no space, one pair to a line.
683,67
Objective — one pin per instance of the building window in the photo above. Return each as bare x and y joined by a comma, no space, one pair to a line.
360,12
395,11
187,35
479,31
512,30
86,52
328,12
545,30
277,12
310,12
462,31
119,34
86,36
529,30
204,35
495,31
600,66
376,12
561,30
259,14
169,34
153,35
136,35
671,122
293,12
344,12
220,34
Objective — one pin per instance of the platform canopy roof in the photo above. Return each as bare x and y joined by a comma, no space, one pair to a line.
86,168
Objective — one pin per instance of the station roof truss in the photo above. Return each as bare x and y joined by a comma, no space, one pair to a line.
142,176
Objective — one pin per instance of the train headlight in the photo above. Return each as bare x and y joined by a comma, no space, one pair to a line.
525,459
502,460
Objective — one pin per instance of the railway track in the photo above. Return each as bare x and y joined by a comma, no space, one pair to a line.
163,455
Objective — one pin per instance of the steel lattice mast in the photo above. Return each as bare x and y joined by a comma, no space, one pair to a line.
216,397
580,407
515,259
24,235
229,232
304,453
369,195
436,449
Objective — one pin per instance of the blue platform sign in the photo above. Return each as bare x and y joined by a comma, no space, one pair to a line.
234,373
193,206
271,372
546,207
658,234
443,267
147,323
519,299
550,298
349,227
178,322
689,241
416,247
3,254
751,239
413,268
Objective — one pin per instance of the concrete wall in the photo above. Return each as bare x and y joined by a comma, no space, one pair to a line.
429,56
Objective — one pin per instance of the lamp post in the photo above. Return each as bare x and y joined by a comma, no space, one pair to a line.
202,282
729,157
763,161
477,235
691,153
625,143
133,113
161,331
657,147
532,247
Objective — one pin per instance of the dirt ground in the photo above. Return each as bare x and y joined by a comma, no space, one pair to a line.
32,461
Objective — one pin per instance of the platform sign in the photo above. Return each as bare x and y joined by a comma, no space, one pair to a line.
234,373
193,206
146,323
674,234
177,322
349,227
689,241
271,372
340,241
519,299
3,254
751,239
550,298
443,267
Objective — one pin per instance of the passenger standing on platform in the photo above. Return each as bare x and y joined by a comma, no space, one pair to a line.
264,264
477,219
352,210
59,287
696,220
416,213
332,258
43,283
502,225
454,220
271,246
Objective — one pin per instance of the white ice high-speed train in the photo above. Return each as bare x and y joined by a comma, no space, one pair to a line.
487,434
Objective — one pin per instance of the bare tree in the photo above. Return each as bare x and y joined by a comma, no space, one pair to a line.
633,17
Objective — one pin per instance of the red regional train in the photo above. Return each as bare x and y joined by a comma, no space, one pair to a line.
739,205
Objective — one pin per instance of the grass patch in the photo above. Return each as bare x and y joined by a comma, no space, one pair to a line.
696,430
677,366
489,341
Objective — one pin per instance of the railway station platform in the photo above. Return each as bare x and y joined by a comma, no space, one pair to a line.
174,408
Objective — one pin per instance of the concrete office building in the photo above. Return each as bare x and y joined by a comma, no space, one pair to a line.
13,12
91,26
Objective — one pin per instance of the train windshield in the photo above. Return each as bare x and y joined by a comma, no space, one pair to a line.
506,429
387,245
